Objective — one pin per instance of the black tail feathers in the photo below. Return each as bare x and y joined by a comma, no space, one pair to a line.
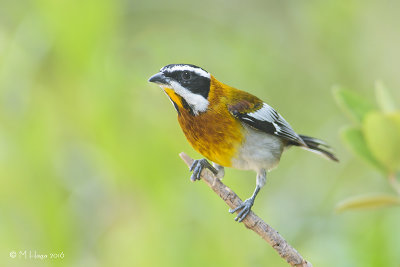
318,146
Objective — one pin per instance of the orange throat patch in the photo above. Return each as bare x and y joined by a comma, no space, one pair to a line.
173,96
215,133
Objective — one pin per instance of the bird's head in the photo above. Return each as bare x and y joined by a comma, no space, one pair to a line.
186,85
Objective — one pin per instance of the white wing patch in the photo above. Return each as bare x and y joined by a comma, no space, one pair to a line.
282,127
266,113
276,127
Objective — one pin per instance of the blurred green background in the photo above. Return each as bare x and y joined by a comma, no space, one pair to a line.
89,149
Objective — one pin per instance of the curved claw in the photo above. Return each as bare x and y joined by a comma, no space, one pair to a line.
198,166
245,208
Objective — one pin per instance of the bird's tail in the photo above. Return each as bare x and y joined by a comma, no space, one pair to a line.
318,146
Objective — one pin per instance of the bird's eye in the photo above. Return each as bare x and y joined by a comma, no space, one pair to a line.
186,75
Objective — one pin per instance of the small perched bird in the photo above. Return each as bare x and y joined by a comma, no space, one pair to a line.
230,127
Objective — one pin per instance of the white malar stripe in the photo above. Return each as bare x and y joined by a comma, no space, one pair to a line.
188,68
197,102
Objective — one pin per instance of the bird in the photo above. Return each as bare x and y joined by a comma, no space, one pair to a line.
230,127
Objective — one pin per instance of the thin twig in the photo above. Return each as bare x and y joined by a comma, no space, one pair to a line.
252,221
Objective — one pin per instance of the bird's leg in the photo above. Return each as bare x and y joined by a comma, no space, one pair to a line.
246,205
198,166
220,171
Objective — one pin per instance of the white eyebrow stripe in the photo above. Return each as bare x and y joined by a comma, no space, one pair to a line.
187,68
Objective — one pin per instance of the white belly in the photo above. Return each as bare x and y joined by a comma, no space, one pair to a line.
259,151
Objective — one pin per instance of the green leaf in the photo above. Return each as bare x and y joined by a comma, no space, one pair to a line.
353,104
382,135
367,201
384,99
355,141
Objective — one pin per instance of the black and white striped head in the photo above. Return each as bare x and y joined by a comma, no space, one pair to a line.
190,82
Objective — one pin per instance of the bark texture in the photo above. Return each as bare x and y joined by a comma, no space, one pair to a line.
252,221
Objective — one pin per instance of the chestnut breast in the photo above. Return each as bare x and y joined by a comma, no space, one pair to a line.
216,135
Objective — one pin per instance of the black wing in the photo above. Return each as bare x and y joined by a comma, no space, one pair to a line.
266,119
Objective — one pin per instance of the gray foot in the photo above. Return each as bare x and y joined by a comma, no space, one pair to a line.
198,166
245,208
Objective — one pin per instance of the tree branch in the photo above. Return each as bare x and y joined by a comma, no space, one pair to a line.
252,221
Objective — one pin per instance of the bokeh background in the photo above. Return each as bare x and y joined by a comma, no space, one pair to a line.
89,149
